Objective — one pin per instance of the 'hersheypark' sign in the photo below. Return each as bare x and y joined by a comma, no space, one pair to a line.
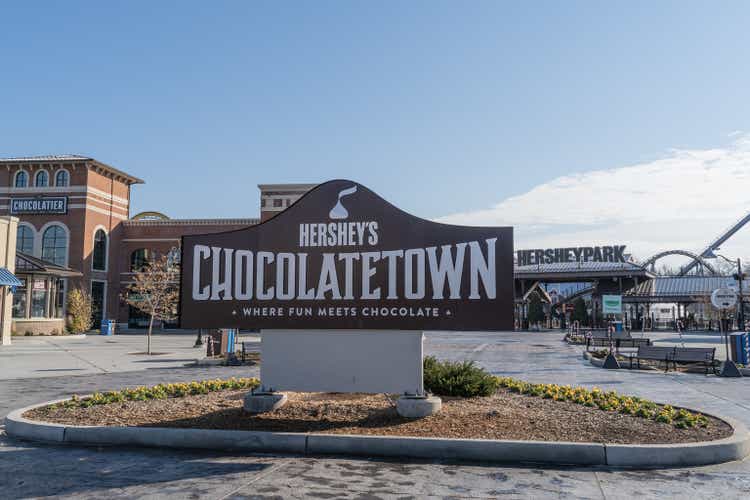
610,253
344,258
46,205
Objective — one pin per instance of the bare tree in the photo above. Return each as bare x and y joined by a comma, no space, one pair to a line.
154,291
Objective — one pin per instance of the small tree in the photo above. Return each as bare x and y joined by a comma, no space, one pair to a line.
536,309
579,311
79,309
154,291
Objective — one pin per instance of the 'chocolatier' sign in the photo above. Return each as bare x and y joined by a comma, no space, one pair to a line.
343,258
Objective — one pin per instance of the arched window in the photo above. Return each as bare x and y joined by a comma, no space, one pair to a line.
139,258
41,179
22,179
25,239
99,257
62,178
55,245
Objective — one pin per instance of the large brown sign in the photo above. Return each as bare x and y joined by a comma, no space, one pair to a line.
343,258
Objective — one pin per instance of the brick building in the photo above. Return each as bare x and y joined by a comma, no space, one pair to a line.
74,212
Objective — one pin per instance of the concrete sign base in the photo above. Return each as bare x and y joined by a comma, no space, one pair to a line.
418,407
263,402
380,361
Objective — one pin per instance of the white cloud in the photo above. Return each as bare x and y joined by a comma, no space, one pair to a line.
680,201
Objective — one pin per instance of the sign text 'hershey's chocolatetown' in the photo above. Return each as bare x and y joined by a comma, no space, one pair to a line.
343,258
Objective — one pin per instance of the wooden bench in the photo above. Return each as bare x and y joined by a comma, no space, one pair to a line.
703,355
653,353
675,355
248,347
617,342
631,342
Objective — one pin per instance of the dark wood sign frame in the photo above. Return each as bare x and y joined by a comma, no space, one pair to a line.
342,257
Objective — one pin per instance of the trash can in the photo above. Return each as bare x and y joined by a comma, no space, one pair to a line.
618,326
739,344
108,327
227,340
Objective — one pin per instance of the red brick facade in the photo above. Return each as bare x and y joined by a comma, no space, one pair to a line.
98,198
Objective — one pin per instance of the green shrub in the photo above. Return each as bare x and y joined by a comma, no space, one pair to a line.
462,379
79,310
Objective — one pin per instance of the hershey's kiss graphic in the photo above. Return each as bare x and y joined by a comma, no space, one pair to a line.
339,211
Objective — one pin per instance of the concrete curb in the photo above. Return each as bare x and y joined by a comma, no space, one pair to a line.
735,447
56,337
485,450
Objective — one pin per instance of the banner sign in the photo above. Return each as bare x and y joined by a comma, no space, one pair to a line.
40,206
341,257
611,304
612,253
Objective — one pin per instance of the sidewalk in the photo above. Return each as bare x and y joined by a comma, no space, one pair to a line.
32,357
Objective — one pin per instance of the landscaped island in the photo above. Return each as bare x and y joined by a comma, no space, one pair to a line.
508,410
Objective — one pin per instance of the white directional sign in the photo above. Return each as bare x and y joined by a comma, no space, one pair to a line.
724,298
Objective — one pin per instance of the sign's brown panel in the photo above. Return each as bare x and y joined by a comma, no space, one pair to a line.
343,258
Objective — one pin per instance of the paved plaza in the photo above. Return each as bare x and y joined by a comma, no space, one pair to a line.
54,368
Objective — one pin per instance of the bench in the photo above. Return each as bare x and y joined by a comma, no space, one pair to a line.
617,342
604,334
248,347
675,355
703,355
632,342
653,353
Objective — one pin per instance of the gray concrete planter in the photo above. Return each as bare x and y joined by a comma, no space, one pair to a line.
594,361
735,447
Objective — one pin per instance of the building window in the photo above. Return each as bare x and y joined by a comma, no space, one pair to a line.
25,239
62,178
22,179
262,203
277,203
60,299
19,301
39,299
41,179
55,245
99,258
139,258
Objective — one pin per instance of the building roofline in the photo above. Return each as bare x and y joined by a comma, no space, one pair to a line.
273,187
196,222
130,179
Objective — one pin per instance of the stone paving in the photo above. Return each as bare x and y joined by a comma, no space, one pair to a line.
33,470
29,357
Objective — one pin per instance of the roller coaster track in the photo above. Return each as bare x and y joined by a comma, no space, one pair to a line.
708,252
578,293
696,259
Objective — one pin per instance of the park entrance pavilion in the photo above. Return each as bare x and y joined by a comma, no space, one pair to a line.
649,300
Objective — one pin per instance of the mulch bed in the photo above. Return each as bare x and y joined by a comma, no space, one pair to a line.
505,415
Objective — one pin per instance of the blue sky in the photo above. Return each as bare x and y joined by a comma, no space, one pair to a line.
442,107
